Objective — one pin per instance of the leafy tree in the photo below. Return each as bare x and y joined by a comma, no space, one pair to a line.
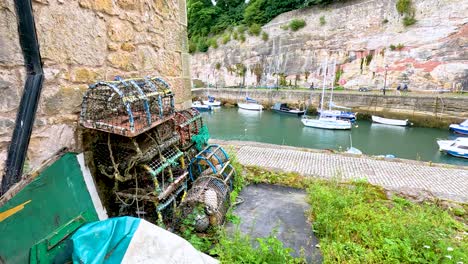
255,12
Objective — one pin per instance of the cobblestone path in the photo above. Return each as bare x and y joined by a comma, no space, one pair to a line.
442,181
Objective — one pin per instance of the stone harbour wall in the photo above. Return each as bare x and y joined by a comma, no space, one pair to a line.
432,53
81,42
422,110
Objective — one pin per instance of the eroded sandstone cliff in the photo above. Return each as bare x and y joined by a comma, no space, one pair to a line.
431,54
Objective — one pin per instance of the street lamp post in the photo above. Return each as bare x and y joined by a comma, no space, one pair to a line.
385,79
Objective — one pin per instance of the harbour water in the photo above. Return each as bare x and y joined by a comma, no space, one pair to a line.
414,143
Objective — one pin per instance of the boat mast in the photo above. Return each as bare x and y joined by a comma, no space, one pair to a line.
323,86
333,84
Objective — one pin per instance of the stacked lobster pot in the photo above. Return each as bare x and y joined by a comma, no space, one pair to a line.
209,198
139,146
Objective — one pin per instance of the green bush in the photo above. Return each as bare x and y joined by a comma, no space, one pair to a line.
255,29
322,21
356,223
297,24
213,42
239,248
226,38
235,35
265,36
404,7
202,45
192,46
241,29
242,38
409,20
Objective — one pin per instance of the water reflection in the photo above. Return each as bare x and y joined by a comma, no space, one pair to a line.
372,139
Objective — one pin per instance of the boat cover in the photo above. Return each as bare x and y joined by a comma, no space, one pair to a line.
132,240
250,100
464,124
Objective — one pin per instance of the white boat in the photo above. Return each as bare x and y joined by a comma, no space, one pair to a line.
351,149
201,107
460,128
325,120
457,147
392,122
250,104
211,101
326,123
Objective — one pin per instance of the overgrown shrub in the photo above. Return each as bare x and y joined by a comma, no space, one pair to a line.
242,38
408,21
241,29
322,21
202,45
235,35
213,42
265,36
297,24
397,47
405,8
255,29
226,38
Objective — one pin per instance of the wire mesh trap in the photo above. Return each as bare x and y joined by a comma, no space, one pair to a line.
206,203
211,160
188,123
127,107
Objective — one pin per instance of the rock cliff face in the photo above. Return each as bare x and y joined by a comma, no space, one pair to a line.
432,54
81,42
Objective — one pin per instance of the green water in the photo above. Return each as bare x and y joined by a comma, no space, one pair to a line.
414,143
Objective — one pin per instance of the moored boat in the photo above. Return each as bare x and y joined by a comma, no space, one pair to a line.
457,147
201,107
460,128
285,109
250,104
326,122
211,101
344,115
391,122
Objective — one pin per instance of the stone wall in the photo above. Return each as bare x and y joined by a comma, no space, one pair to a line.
423,110
358,34
81,42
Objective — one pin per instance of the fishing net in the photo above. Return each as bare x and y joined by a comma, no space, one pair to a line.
201,139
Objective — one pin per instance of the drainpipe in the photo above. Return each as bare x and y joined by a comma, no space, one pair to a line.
30,98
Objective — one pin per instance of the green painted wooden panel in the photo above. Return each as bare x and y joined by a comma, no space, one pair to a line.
57,197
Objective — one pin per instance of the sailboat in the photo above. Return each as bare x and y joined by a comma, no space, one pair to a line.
249,103
343,115
211,101
325,120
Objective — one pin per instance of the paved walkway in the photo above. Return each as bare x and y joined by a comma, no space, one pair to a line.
443,181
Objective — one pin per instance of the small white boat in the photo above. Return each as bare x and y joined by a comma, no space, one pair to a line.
351,149
457,147
326,123
355,151
460,128
201,107
211,101
392,122
250,104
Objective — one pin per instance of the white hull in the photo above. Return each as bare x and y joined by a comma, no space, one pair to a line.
250,106
327,123
388,121
457,148
215,103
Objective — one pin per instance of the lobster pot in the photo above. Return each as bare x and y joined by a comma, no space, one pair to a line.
188,123
206,203
118,156
208,161
127,107
139,199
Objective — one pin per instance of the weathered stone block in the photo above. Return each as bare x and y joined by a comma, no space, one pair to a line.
122,60
128,4
127,46
85,75
77,36
120,31
106,6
